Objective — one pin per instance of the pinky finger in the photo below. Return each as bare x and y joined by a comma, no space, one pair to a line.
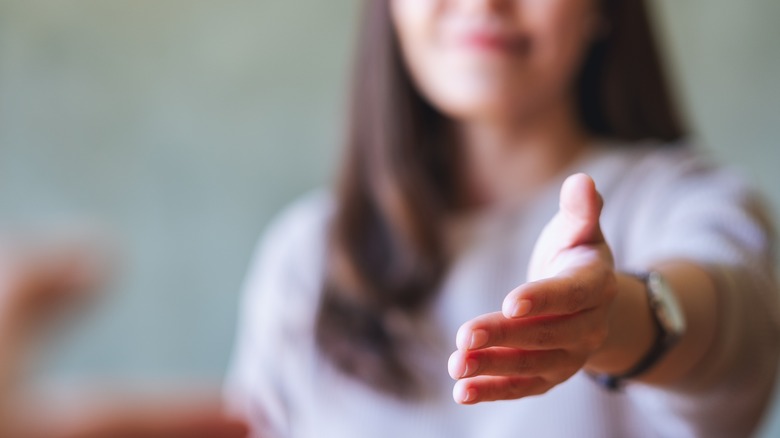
491,388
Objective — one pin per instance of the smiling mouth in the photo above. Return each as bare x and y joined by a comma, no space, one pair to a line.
490,42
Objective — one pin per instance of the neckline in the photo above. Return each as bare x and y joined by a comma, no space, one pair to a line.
463,230
585,162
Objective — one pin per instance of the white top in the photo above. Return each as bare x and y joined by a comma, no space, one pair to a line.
660,203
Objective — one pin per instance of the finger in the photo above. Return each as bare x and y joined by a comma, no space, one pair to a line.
540,333
583,289
580,208
489,388
499,361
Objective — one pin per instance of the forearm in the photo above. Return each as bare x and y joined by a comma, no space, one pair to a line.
632,330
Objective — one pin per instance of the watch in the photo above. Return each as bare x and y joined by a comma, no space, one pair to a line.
669,321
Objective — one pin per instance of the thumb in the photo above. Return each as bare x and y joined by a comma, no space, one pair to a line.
580,209
575,224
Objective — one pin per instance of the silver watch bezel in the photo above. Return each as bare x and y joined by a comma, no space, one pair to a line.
665,305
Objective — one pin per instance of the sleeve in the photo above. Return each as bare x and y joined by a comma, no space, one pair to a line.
709,215
276,319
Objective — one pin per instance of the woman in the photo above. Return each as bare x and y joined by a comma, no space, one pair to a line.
645,307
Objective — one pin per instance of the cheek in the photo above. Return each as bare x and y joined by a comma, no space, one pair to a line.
561,31
418,25
414,21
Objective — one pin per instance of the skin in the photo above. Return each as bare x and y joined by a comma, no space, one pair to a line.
503,70
40,286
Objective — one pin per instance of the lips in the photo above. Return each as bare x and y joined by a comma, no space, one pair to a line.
495,42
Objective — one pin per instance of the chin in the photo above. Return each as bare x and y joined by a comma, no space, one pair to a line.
474,108
465,97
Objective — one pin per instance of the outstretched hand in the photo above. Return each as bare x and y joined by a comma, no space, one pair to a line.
549,327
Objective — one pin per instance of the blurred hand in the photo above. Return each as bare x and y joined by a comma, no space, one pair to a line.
550,326
39,284
132,419
41,281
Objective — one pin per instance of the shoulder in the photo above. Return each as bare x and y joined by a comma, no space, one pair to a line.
288,262
648,158
299,228
678,200
651,171
304,218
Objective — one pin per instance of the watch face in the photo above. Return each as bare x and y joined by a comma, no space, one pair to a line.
668,309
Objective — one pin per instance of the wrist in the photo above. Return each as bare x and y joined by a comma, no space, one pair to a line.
632,330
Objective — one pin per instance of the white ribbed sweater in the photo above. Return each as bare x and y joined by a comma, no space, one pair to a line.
660,203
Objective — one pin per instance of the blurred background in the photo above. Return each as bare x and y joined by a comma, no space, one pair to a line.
180,127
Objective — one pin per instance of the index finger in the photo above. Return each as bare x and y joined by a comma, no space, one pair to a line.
583,289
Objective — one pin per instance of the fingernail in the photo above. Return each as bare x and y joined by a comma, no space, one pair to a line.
479,338
471,367
522,308
461,393
452,365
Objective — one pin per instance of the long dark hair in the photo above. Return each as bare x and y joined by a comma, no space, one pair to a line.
400,180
